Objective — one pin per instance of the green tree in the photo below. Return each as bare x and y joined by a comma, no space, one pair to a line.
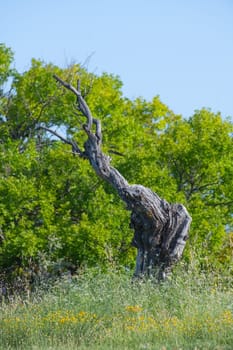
198,154
52,202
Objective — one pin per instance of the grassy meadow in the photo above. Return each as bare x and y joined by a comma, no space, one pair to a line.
107,310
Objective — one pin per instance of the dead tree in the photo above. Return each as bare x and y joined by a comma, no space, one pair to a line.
160,228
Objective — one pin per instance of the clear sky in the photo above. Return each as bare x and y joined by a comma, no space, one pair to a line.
181,50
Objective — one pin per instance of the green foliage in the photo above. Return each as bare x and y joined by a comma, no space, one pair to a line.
198,153
47,194
6,58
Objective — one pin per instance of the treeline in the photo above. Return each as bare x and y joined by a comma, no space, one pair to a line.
55,212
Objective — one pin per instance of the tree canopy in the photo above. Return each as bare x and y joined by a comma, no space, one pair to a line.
53,205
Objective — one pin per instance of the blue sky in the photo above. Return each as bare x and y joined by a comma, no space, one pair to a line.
181,50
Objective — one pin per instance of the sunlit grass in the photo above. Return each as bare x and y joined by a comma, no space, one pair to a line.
109,311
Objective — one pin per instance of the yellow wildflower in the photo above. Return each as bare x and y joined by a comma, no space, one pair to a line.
133,308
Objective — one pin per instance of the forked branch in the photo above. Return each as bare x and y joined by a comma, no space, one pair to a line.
82,103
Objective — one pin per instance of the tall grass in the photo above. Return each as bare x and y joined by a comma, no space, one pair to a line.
108,311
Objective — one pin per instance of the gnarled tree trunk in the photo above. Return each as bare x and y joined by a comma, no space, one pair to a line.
160,228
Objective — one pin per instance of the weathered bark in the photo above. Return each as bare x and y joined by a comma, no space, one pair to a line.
160,228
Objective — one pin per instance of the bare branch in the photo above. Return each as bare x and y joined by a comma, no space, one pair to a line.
98,129
116,152
75,148
82,103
